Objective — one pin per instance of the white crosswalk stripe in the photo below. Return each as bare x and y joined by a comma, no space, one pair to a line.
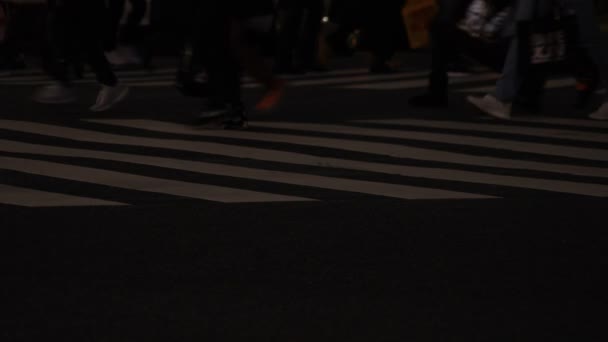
26,197
353,78
141,183
307,161
403,151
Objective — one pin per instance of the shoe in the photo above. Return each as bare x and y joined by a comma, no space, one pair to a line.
272,97
585,92
601,113
492,106
429,100
131,55
109,96
116,58
55,93
229,116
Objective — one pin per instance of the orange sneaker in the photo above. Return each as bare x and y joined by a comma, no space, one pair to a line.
272,97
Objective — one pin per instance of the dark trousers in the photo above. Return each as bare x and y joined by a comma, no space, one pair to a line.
298,34
214,34
384,31
131,32
74,32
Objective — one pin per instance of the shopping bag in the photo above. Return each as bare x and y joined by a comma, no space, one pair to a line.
417,17
484,21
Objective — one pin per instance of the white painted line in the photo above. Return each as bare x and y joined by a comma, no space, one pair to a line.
560,186
164,80
454,139
24,197
41,75
331,183
551,84
141,183
420,83
391,150
340,80
497,127
562,122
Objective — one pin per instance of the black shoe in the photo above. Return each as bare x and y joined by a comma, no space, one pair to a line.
229,116
429,100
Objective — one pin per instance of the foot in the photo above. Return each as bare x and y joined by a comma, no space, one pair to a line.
109,96
429,100
116,59
229,116
492,106
601,113
272,97
585,92
55,93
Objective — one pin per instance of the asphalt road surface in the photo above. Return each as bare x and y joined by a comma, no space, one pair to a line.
346,215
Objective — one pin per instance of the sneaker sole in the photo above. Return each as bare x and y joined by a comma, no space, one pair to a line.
113,103
479,104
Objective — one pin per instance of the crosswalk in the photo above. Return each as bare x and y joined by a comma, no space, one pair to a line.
353,78
130,162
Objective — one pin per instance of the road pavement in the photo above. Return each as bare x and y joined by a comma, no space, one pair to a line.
346,215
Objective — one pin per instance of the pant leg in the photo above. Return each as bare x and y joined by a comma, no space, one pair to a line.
138,11
115,12
289,23
58,41
591,36
511,79
441,52
308,48
88,22
219,57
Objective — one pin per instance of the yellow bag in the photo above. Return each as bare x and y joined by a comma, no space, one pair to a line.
417,16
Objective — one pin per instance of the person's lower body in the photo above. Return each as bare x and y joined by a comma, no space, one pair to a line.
122,47
70,36
10,56
442,47
224,107
384,30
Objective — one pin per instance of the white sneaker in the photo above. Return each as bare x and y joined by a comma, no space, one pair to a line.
109,96
601,113
55,93
115,58
492,106
131,55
